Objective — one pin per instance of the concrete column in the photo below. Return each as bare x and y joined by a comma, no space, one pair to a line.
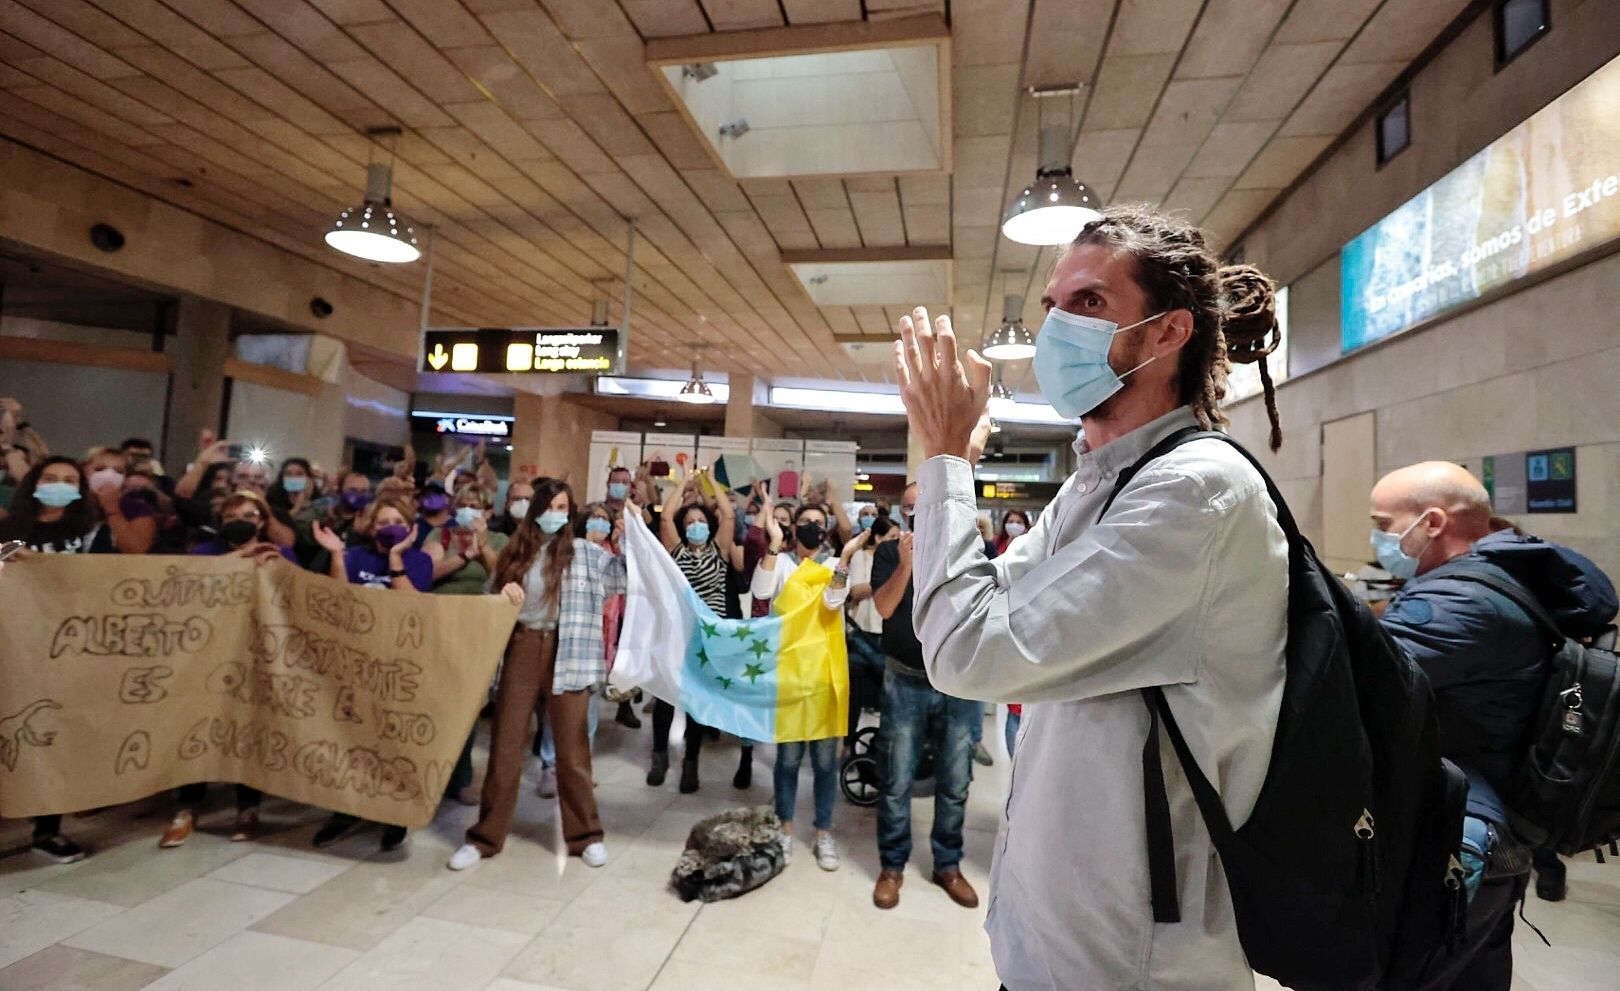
740,407
198,349
552,437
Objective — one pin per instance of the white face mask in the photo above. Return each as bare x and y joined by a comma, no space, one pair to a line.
1015,529
519,508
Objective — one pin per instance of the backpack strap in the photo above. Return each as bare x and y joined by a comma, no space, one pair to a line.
1473,570
1155,800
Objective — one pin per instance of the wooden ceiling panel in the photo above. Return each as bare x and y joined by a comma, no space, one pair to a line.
286,63
506,82
1127,88
719,192
445,24
1325,20
1282,77
534,41
877,214
1100,156
1400,32
268,91
1153,27
53,39
622,64
589,18
362,11
987,32
105,95
99,28
666,18
1282,161
1230,37
308,28
676,140
398,46
179,35
740,15
1235,211
1229,148
983,98
614,131
821,11
835,228
1066,41
1342,93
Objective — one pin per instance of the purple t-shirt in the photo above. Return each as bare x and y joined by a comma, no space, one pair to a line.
218,548
368,566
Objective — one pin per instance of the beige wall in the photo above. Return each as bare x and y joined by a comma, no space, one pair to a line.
1533,369
50,206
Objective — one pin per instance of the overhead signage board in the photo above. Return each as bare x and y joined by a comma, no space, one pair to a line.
1542,193
1019,491
463,424
522,350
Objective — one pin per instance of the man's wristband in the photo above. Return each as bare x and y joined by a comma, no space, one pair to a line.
395,574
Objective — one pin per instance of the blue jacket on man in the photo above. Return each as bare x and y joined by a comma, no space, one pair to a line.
1482,653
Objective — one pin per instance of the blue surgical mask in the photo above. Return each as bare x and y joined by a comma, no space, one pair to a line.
56,494
597,524
1387,547
697,533
552,520
465,516
1071,361
294,484
618,490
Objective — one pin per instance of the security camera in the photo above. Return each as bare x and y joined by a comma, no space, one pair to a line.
106,237
735,129
699,71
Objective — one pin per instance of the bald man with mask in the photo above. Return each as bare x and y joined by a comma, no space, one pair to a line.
1486,663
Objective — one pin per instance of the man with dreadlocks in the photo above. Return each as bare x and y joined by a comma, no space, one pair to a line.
1181,584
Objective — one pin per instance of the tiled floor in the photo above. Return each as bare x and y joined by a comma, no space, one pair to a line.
275,915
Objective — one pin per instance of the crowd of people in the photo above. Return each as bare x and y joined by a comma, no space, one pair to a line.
440,531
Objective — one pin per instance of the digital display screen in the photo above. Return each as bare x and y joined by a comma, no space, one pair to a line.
1542,193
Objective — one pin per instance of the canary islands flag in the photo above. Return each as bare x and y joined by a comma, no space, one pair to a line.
775,679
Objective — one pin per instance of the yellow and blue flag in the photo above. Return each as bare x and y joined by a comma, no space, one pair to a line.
775,679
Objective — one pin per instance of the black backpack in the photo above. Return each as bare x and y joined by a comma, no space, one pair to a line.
1345,876
1566,793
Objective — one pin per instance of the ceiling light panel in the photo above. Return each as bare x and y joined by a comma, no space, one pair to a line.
878,283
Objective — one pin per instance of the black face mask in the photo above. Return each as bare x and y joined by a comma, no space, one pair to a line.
810,534
238,532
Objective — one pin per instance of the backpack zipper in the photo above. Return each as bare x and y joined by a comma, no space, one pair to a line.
1584,813
1367,866
1457,916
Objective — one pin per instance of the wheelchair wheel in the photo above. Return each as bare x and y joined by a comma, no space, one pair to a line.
858,778
865,740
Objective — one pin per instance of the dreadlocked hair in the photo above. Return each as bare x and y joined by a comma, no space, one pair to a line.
1234,307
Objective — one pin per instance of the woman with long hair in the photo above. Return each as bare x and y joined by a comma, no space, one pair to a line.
563,583
1013,525
51,512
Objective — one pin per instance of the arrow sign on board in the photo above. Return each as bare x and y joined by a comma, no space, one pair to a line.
438,357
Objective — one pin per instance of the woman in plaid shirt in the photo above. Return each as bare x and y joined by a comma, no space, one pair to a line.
556,654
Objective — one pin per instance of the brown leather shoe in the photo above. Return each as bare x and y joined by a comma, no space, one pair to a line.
179,830
957,887
247,825
887,892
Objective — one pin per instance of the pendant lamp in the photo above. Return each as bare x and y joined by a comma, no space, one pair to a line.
373,230
1012,341
1053,208
696,391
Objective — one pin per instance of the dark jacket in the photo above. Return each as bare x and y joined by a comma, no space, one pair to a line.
1483,655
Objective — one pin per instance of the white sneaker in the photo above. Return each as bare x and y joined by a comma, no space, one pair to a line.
826,852
787,848
548,782
465,856
594,855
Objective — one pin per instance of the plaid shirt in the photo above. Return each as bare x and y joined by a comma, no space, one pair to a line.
592,577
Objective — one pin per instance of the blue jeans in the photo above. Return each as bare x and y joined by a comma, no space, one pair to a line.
1013,721
823,762
912,712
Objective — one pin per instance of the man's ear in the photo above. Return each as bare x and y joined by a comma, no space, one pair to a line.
1437,521
1175,330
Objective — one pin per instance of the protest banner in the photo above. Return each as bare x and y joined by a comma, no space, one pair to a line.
122,676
